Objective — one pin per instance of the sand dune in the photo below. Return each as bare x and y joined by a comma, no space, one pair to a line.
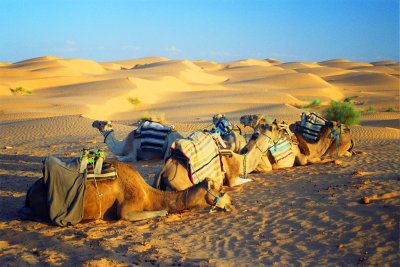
154,82
247,62
345,64
131,63
382,81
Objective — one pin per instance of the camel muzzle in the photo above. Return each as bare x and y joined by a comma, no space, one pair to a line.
225,202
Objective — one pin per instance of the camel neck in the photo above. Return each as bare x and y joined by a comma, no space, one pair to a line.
181,200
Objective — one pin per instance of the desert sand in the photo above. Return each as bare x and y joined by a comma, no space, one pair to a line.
301,216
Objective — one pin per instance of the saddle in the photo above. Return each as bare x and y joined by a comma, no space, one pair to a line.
310,126
93,163
153,135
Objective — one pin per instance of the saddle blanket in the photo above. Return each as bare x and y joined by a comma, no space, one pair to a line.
201,153
66,188
281,150
311,126
153,136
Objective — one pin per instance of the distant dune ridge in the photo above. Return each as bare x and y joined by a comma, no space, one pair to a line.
103,89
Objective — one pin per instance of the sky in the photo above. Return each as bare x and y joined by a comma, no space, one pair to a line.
216,30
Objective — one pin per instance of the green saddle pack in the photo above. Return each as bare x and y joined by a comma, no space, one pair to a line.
93,163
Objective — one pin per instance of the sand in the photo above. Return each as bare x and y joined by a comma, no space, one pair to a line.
305,216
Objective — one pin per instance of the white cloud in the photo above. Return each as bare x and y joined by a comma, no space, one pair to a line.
173,49
130,47
69,46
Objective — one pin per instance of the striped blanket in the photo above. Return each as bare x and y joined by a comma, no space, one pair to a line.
201,153
153,136
311,126
281,149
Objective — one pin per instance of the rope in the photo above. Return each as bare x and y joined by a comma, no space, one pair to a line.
186,199
98,192
245,165
106,134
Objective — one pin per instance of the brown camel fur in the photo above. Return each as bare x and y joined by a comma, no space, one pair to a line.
130,198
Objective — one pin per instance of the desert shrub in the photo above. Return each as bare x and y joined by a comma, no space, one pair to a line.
153,116
20,91
390,109
313,104
342,112
370,109
134,101
349,98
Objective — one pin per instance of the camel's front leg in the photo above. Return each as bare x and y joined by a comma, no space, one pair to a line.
143,215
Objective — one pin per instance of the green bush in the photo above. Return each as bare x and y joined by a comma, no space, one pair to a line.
370,109
315,103
134,101
349,98
342,112
153,116
20,91
390,109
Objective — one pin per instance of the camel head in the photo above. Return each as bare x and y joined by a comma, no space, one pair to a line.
253,121
221,123
217,117
216,197
344,144
102,126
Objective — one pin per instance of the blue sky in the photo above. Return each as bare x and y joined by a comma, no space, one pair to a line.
218,30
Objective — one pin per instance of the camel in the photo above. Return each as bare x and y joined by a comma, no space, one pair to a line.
130,198
254,121
334,141
130,148
174,175
231,134
257,156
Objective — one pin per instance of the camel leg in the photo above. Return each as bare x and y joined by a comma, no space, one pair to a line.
128,158
143,215
239,181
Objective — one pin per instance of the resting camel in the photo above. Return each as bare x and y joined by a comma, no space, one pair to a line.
304,152
174,174
129,148
233,138
256,156
130,198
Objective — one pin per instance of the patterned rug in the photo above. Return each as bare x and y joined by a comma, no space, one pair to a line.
281,150
311,126
153,136
201,153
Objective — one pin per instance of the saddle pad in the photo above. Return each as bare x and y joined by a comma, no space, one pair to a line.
281,150
311,126
153,136
202,155
108,172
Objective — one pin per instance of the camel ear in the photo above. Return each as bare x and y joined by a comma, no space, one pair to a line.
210,183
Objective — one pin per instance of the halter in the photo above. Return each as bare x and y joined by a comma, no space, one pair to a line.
336,138
216,200
106,134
